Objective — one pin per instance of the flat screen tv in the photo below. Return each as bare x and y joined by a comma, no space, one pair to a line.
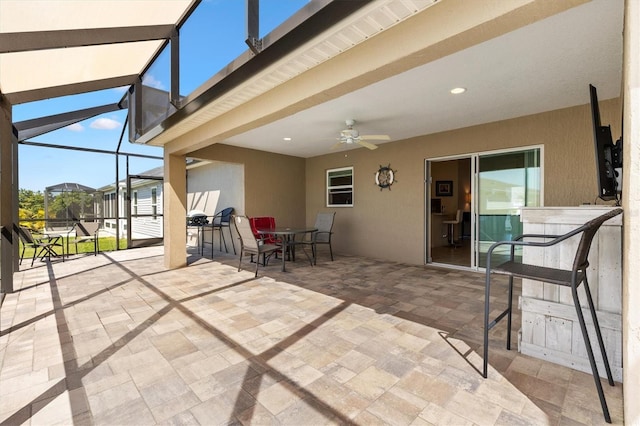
608,154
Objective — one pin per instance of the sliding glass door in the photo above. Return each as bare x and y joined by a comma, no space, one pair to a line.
505,182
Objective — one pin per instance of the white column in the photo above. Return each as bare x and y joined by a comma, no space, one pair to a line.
631,204
175,211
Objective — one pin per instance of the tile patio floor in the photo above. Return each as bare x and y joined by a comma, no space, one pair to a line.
117,339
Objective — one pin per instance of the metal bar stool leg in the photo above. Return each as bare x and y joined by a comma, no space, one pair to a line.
485,355
510,311
212,240
232,243
587,342
489,325
603,351
224,240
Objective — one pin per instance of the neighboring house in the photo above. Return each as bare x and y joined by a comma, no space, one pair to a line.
211,186
146,205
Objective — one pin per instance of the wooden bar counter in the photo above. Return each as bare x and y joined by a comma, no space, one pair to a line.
550,328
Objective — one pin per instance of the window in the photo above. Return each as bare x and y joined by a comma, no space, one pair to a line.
109,205
154,202
112,205
340,187
105,205
134,204
123,204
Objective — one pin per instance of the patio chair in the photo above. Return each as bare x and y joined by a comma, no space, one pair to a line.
249,244
324,224
222,220
569,278
264,222
41,248
86,231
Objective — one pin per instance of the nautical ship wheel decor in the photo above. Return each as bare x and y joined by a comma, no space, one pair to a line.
385,177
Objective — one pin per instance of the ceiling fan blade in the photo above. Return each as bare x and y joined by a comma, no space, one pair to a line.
336,145
375,137
367,144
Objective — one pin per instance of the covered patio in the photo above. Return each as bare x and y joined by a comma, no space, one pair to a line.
120,339
161,336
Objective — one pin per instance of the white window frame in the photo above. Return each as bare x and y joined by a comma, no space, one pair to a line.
134,203
342,188
154,202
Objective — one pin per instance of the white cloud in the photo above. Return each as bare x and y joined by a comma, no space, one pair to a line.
75,127
104,124
151,81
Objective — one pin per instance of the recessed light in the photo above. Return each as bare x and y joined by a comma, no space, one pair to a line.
286,139
458,90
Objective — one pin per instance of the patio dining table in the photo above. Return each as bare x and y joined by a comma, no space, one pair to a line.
55,238
287,236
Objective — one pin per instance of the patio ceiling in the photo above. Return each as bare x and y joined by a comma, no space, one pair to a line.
58,48
542,66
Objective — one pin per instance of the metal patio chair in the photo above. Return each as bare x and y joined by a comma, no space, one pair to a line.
249,244
86,231
222,220
324,224
41,246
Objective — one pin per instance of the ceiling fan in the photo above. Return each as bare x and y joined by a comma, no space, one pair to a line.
351,136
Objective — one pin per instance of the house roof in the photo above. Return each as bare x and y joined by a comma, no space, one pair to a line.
69,187
137,180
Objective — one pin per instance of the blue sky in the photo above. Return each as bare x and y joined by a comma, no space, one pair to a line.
212,37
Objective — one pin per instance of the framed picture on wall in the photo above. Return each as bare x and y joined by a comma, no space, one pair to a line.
444,188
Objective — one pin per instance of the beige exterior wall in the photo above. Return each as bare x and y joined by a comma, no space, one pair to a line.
631,203
391,224
273,183
175,200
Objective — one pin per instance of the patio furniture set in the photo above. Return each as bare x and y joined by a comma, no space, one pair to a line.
44,243
261,237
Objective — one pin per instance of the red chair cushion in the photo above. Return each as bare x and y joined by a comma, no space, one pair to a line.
264,222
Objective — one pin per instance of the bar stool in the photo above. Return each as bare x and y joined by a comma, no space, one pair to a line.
451,228
571,278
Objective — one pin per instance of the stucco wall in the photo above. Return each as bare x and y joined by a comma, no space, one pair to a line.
273,183
211,187
391,224
214,186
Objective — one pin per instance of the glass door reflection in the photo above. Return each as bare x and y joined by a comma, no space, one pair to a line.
506,182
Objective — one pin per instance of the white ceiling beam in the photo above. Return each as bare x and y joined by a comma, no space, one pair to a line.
44,40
